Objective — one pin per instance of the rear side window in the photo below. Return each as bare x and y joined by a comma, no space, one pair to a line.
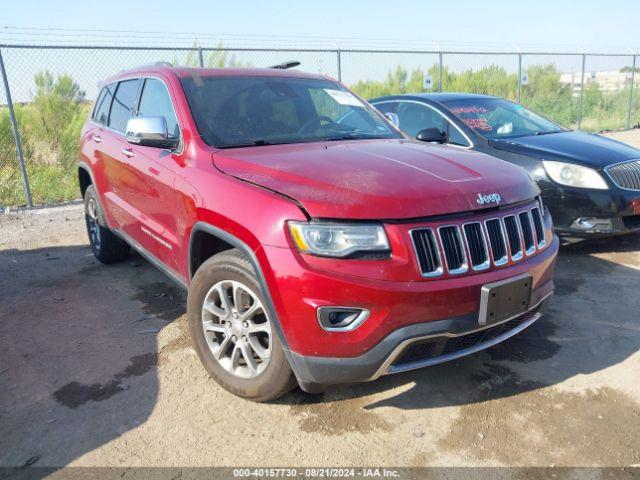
101,110
156,102
123,104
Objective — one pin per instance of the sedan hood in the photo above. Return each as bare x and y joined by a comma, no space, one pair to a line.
378,179
586,149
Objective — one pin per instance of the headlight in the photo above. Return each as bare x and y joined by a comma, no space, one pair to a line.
338,239
574,175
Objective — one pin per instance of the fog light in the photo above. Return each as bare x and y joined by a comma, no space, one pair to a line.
593,223
343,319
584,223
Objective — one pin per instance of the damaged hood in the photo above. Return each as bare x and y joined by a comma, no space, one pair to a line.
378,179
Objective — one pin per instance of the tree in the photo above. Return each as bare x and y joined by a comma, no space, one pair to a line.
219,58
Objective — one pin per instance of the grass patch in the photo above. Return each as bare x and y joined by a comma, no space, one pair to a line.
49,184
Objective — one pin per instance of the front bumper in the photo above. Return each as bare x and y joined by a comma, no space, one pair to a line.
401,312
608,212
413,347
299,289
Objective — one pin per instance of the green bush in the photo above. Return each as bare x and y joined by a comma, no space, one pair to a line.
50,124
49,128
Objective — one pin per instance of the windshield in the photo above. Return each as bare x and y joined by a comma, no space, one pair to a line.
247,111
496,118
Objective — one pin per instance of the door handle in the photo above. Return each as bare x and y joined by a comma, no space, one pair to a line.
127,152
97,138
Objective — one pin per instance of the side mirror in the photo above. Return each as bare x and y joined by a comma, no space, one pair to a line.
393,118
433,135
149,132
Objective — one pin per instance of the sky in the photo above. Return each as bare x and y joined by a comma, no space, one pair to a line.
587,24
497,25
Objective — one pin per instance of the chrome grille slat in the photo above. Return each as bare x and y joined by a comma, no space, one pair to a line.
453,249
427,251
513,236
497,241
477,245
625,175
538,226
527,232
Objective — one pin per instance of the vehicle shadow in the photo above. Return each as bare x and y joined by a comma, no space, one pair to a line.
618,244
80,349
591,325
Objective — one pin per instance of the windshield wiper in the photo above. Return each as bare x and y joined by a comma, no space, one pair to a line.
255,143
548,132
355,136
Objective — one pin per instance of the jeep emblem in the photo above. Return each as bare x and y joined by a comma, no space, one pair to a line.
491,198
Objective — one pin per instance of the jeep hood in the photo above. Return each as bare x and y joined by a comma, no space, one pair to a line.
377,179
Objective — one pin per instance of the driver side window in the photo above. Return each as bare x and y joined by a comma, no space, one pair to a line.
155,101
415,117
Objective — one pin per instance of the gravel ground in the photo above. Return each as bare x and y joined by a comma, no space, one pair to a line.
632,137
96,370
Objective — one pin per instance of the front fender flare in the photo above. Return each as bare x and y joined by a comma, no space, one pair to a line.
244,248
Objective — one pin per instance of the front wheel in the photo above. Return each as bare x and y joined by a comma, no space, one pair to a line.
232,332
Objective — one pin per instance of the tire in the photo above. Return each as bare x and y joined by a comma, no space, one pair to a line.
106,246
232,335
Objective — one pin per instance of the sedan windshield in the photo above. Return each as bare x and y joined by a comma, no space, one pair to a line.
497,118
267,110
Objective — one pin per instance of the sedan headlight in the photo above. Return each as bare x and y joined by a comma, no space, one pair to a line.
574,175
338,239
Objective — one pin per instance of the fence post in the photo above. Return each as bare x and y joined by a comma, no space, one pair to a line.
339,59
440,72
584,62
633,71
16,134
200,57
519,76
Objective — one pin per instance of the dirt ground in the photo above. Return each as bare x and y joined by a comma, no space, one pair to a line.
96,370
632,137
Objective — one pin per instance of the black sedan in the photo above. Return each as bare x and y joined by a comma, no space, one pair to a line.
590,183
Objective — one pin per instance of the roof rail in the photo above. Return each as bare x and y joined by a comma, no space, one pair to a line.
286,65
147,65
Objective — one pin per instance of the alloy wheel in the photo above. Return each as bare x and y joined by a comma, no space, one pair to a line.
92,223
237,329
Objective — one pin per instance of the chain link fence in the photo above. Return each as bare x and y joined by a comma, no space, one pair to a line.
53,87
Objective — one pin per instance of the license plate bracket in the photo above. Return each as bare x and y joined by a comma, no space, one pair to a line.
504,299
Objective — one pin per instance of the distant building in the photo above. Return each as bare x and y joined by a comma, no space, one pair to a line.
608,81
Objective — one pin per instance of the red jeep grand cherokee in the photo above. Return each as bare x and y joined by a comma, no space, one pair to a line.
318,244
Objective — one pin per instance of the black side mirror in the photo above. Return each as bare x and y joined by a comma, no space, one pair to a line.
432,135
